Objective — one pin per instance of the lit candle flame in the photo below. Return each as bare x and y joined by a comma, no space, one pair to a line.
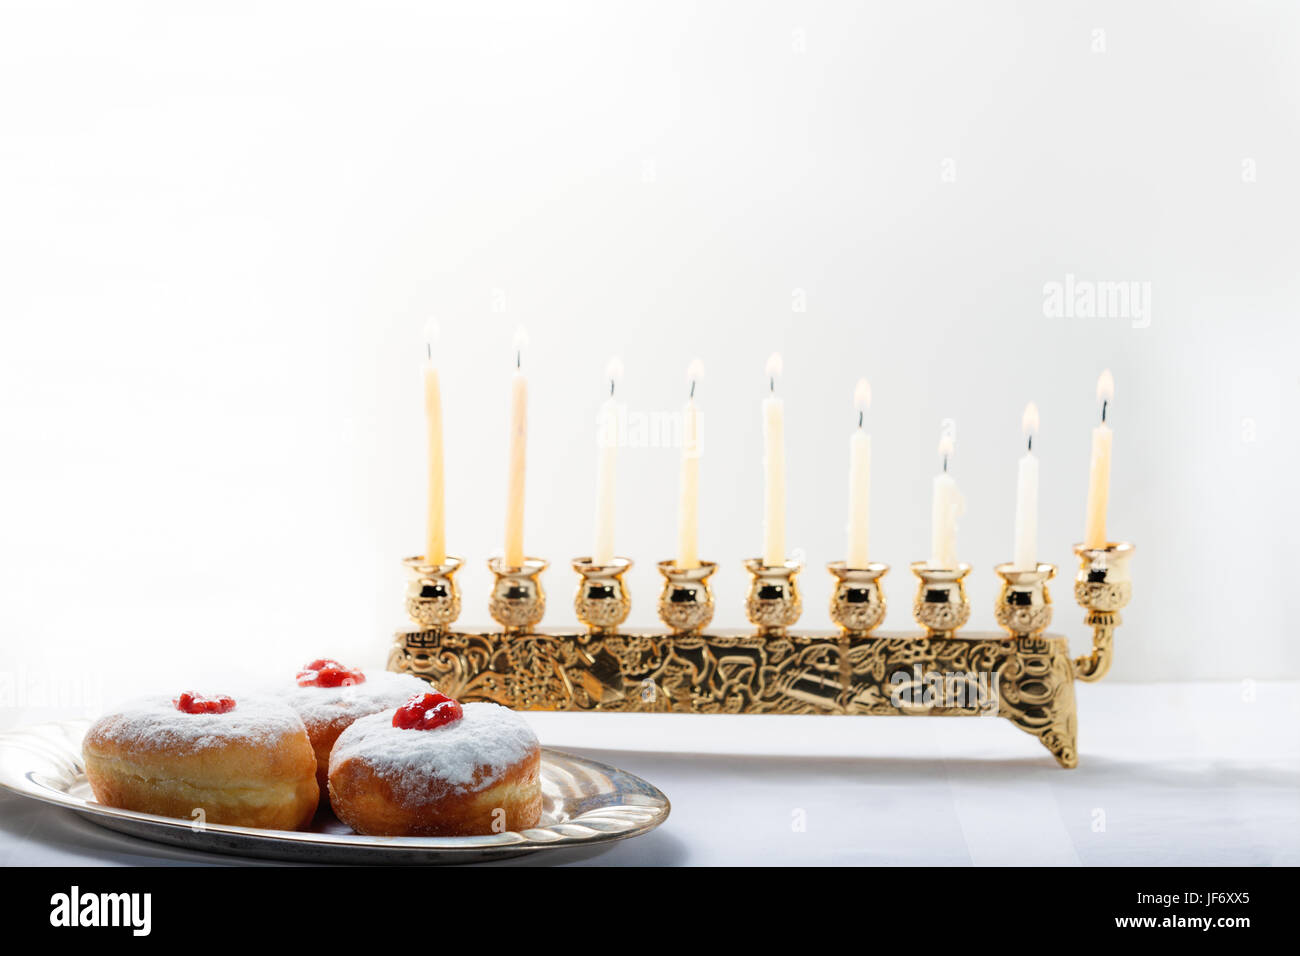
773,369
1105,391
1105,386
694,372
862,395
862,399
946,445
613,372
1029,422
518,344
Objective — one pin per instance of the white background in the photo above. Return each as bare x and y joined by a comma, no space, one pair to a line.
222,226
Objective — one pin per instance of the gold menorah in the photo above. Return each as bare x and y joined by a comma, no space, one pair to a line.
1023,674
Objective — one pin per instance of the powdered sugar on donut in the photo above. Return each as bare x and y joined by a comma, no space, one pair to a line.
154,722
470,753
380,690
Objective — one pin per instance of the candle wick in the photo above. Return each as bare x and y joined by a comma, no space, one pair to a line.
1030,441
771,384
428,350
859,418
945,464
692,395
518,357
1104,403
611,388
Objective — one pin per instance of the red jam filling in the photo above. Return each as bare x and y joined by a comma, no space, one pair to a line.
328,673
427,711
190,703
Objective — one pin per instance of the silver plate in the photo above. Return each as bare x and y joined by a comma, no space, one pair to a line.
583,803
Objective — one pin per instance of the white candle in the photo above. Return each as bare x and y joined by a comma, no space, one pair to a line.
688,501
514,551
945,506
1026,553
435,536
859,480
774,469
1094,535
606,465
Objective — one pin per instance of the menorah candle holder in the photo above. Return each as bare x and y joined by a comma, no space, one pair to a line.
857,602
773,602
601,600
686,603
432,595
1022,674
518,600
941,606
1024,607
1104,587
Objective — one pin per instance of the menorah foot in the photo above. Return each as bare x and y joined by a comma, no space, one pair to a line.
1037,695
1064,747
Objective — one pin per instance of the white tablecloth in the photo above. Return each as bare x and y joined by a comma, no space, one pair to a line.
1168,774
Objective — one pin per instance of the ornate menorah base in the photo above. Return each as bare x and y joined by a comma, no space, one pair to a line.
1028,680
